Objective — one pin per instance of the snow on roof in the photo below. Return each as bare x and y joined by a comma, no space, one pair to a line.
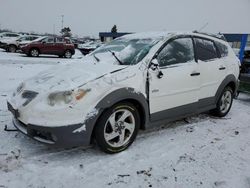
146,35
164,35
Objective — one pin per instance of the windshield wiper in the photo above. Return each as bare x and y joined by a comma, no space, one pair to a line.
96,58
113,53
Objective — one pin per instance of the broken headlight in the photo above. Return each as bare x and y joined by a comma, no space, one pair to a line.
19,89
66,97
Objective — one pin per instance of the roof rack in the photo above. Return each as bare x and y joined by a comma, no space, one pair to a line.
218,36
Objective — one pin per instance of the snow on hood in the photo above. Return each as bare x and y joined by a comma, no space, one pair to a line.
9,40
69,76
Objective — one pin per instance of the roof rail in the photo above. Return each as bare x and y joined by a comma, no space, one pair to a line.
218,36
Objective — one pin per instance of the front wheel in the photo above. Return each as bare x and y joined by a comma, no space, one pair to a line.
12,48
224,103
34,52
117,128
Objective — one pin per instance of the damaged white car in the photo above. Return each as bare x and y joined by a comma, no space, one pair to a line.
131,83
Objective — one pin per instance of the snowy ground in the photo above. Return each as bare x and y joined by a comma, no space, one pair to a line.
201,152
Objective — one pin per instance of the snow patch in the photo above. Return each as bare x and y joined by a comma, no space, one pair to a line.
80,129
92,113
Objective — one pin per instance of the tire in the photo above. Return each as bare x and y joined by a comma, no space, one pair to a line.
34,52
68,54
224,103
117,128
12,49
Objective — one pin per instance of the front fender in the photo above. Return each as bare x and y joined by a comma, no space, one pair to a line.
113,98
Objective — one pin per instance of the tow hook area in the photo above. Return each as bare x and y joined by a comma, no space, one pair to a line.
9,130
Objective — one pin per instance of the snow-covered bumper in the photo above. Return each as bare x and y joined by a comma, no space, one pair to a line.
59,136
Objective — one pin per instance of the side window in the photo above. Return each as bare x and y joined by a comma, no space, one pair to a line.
179,50
222,49
13,35
59,40
49,40
205,49
33,38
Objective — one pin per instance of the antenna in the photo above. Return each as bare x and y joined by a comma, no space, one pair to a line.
54,30
203,27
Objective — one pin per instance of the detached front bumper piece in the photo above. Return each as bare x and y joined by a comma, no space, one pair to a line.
55,136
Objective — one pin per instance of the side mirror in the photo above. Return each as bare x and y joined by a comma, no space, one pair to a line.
43,42
154,65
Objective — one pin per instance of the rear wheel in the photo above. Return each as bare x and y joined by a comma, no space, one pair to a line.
12,48
68,54
117,128
224,103
34,52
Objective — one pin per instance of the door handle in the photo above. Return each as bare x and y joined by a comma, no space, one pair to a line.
195,74
222,68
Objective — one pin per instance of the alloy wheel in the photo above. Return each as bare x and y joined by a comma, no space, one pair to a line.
226,101
119,128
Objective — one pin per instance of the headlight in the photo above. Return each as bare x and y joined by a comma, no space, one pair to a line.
66,97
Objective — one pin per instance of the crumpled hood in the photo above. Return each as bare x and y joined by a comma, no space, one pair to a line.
69,76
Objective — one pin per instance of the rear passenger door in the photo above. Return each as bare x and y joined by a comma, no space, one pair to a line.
211,67
60,46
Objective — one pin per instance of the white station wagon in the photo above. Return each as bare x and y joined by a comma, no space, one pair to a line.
131,83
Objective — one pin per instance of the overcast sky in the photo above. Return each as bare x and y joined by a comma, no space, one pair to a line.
89,17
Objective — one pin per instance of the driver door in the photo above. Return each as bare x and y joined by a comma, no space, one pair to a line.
176,92
48,46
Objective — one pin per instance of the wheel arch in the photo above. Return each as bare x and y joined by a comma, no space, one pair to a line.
12,45
67,49
122,95
230,81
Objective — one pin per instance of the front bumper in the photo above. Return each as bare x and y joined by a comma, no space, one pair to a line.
3,45
64,136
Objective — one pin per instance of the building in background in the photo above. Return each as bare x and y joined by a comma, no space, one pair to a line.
109,36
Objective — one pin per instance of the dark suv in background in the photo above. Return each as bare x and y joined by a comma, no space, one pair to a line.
62,47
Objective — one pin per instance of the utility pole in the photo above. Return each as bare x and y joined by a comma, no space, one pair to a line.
54,29
62,20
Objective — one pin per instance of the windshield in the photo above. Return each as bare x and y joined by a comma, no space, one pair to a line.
39,39
128,51
23,38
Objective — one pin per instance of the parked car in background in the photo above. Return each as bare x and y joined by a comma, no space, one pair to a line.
26,40
131,83
8,35
62,47
246,60
89,47
12,45
5,37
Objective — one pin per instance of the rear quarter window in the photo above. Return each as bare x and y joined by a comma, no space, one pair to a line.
205,49
223,50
